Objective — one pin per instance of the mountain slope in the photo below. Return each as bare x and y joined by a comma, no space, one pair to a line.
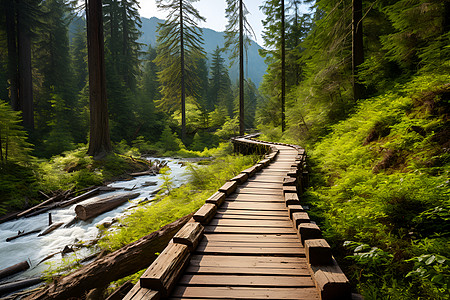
255,66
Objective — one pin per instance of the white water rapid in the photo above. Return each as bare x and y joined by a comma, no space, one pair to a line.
34,249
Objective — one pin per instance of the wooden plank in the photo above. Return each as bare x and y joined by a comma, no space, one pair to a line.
138,293
318,252
259,190
251,217
240,178
253,206
189,235
266,178
251,281
252,212
229,187
249,230
205,213
250,223
246,292
275,244
217,198
211,249
234,261
163,272
263,185
301,271
271,238
332,282
255,197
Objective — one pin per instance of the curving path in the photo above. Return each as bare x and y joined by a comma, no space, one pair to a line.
250,240
250,249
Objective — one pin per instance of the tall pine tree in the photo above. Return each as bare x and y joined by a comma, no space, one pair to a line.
180,46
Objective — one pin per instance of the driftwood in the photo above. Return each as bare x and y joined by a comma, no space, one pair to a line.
21,234
40,205
149,172
51,228
22,266
80,197
18,285
90,210
123,262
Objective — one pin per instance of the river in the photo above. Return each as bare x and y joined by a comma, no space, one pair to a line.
34,249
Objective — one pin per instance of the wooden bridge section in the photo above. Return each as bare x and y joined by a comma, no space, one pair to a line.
251,240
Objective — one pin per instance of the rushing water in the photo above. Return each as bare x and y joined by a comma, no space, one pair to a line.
34,249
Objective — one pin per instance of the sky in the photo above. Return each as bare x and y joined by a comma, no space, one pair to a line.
214,12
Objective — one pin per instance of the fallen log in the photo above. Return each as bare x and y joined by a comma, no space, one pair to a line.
51,228
22,266
123,262
46,202
80,197
18,285
21,234
90,210
149,172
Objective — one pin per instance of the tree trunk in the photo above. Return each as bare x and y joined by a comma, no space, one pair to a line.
357,48
183,88
19,267
99,138
123,262
90,210
241,69
283,70
12,53
25,77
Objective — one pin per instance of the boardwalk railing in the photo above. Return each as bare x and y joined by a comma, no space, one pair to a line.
161,277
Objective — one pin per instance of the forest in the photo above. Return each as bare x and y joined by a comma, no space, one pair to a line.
363,86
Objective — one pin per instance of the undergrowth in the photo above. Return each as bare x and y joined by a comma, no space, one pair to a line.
381,192
175,203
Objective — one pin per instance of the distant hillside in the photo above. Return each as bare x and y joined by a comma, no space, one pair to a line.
256,66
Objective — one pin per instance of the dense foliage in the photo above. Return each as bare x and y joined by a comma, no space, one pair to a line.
380,165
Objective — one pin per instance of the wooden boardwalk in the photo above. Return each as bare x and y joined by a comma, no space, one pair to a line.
244,242
250,249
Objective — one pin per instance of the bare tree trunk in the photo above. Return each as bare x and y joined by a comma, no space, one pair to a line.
25,77
283,70
99,138
241,70
357,48
9,7
183,88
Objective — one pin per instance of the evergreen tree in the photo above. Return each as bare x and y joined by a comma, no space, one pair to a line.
180,47
150,122
219,92
99,136
237,33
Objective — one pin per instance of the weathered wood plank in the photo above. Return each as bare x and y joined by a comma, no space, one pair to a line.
234,261
276,270
254,281
252,244
211,249
249,230
163,272
246,292
332,282
253,206
270,238
189,235
252,212
140,293
300,217
250,223
263,185
229,187
318,252
205,213
259,190
240,178
251,217
255,197
217,198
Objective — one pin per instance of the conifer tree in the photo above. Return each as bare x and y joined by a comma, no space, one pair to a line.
219,93
180,46
99,138
237,33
